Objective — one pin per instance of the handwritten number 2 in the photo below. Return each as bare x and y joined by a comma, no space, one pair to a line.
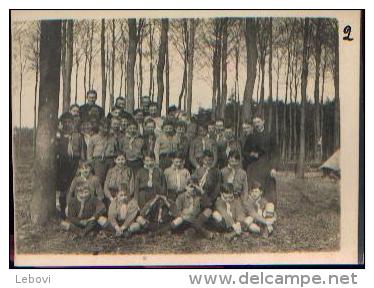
347,30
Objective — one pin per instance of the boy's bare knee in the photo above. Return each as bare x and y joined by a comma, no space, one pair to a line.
217,216
134,227
254,228
248,220
65,225
207,212
102,221
176,222
141,221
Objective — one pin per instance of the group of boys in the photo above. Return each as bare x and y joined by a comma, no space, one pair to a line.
129,173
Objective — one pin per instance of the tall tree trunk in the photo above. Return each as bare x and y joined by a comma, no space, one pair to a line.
161,63
113,62
295,110
321,106
151,32
262,94
167,76
284,126
191,46
224,67
131,59
43,203
103,72
276,107
85,74
304,81
215,67
36,92
21,69
270,118
68,66
140,52
336,85
76,81
318,51
121,76
182,94
90,56
251,47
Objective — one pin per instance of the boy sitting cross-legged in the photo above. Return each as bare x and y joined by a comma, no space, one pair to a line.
122,213
229,213
258,210
85,213
187,210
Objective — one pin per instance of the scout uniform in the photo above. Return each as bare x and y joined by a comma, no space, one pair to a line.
132,146
121,213
229,214
101,151
148,184
237,177
198,145
94,185
258,212
116,178
165,147
210,180
176,180
91,210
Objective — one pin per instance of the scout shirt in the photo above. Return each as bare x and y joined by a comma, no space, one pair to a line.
176,179
165,145
186,206
122,213
117,176
237,177
132,146
210,180
231,212
101,147
93,183
149,183
83,210
197,147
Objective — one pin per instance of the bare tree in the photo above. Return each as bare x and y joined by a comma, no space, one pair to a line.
113,30
161,62
224,67
317,57
43,203
191,51
103,71
251,48
68,65
134,34
304,82
270,118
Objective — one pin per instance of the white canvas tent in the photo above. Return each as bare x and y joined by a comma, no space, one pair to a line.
332,165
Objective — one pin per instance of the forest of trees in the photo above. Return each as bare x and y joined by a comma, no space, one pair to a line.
127,56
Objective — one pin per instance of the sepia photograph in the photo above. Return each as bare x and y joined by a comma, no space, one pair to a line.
145,138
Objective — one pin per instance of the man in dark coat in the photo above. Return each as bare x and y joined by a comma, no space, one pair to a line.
90,109
261,157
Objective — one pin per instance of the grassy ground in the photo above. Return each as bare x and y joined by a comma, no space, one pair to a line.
308,220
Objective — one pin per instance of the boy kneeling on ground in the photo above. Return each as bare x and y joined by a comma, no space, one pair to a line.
122,213
85,212
259,212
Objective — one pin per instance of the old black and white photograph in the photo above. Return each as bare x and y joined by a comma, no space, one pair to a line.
223,136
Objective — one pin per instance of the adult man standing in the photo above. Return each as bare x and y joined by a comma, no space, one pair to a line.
91,109
261,155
